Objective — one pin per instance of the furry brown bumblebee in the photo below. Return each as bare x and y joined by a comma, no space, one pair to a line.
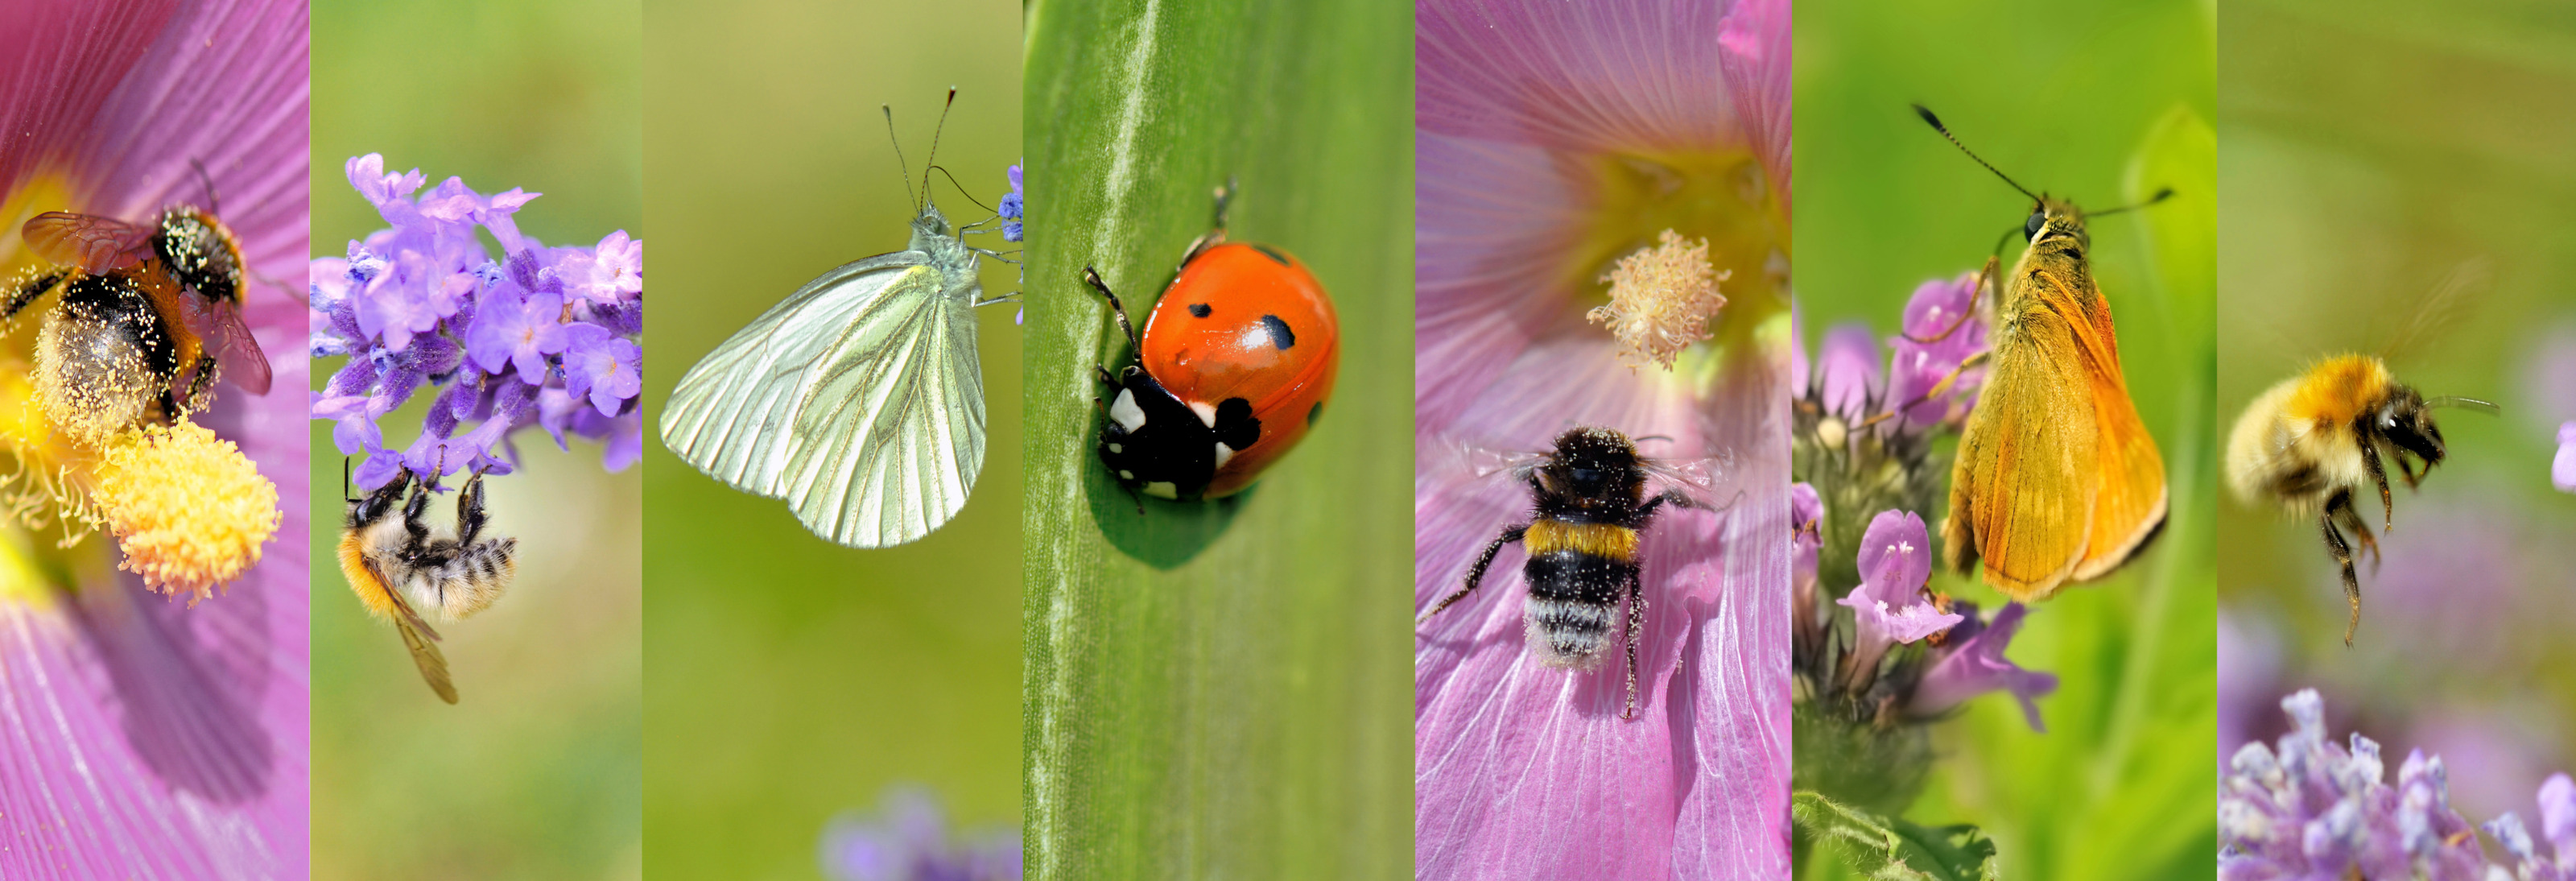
126,341
2311,443
1588,505
396,563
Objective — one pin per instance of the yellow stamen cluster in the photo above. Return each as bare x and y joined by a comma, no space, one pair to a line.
187,508
1661,299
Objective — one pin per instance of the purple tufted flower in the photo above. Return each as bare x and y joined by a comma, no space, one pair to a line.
507,343
1976,665
2314,809
1889,603
1941,332
1848,369
2562,471
1012,208
910,841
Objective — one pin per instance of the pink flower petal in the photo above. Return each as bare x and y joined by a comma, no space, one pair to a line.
1615,76
144,738
1491,220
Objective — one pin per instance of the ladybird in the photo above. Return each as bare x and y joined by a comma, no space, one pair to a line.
1233,368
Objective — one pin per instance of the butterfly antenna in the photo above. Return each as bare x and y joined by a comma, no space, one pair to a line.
961,189
1926,113
213,202
2161,195
903,169
934,140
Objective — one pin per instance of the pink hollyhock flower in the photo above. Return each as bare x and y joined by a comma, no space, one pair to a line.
149,738
1556,145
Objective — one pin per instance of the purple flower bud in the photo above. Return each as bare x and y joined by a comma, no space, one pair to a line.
1848,366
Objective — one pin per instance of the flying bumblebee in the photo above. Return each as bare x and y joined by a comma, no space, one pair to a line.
395,565
126,341
1588,504
2311,443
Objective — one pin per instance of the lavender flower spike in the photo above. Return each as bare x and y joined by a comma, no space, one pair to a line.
1012,209
910,842
508,343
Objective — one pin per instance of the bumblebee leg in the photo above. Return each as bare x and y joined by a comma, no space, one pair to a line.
200,383
413,508
2379,475
2342,554
470,516
2350,520
1091,277
26,292
1476,576
1635,629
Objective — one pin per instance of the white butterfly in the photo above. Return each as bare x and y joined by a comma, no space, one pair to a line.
858,400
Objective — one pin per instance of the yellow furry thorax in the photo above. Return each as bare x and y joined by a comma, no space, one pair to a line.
1596,539
2340,389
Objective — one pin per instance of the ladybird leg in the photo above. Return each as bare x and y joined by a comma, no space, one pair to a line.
2342,554
1216,234
1636,627
1092,277
2379,475
26,292
1476,575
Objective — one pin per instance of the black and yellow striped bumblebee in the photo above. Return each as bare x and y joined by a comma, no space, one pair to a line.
1588,505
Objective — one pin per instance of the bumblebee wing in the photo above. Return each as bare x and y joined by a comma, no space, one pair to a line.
890,436
238,354
91,242
1703,480
2023,485
424,654
380,598
2129,503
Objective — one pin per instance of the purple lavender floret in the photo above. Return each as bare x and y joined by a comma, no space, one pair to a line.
909,841
1012,208
542,337
2315,809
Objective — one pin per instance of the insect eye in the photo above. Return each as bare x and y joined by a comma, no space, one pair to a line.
2030,228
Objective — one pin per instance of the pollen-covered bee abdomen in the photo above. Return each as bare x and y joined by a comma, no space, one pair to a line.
1573,598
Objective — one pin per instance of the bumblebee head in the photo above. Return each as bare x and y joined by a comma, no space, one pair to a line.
2407,421
1592,462
200,252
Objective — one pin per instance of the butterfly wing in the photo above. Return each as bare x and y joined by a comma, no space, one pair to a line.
2023,485
93,243
2129,505
891,436
858,399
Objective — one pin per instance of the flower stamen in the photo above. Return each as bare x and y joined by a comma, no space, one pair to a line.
1661,300
187,508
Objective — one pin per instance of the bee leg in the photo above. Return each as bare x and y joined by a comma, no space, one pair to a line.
27,292
1091,277
470,516
1635,629
1476,576
413,509
2342,554
2387,506
201,383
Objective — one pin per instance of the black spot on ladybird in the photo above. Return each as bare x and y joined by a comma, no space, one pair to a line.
1198,310
1279,335
1315,412
1272,253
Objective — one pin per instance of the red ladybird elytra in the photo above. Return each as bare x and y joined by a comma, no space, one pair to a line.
1233,368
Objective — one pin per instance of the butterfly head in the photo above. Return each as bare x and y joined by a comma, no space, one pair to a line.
2052,218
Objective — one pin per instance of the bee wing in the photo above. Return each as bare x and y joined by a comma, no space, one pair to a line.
418,637
2023,484
2440,309
858,400
238,354
1482,463
1702,480
91,242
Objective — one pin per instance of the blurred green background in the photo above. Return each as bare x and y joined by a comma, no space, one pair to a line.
1219,689
792,678
2372,147
536,773
2101,103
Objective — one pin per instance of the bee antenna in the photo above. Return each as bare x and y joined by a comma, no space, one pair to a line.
213,203
2161,195
1661,437
2486,407
961,189
903,169
1926,113
344,480
934,142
